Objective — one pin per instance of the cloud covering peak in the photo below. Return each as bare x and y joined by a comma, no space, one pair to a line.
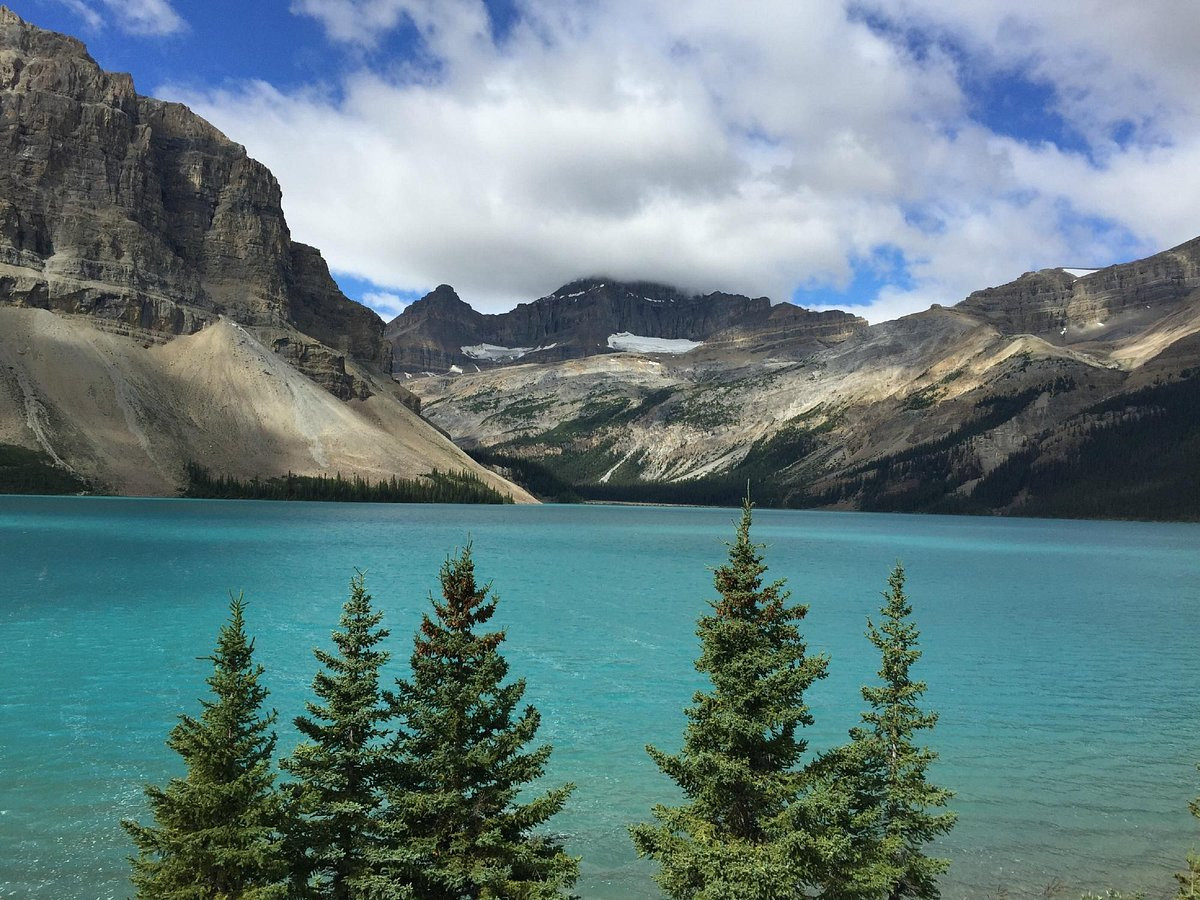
833,152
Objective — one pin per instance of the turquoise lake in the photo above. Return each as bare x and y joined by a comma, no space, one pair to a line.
1062,657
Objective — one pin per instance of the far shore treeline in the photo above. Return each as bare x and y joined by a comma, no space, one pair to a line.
425,789
436,487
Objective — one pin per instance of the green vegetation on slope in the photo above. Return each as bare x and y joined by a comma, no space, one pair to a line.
440,487
24,471
1138,459
533,475
1132,456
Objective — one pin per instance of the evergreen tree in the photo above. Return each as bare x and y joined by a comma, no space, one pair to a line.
455,820
748,829
216,834
336,799
894,807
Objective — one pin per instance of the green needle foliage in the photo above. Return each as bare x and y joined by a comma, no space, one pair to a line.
1189,881
744,831
216,834
894,810
462,762
336,799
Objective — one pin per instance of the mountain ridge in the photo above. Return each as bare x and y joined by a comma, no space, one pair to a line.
913,414
155,311
577,319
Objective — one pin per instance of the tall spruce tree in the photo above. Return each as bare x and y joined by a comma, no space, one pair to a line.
896,809
456,823
216,833
336,799
744,831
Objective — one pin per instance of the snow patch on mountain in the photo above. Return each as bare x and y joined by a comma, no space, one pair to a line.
636,343
494,352
497,353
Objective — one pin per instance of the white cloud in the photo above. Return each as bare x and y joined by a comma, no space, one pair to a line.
448,26
353,21
755,149
91,18
151,18
386,303
1109,62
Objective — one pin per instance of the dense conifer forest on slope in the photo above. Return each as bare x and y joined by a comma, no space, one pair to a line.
24,471
1136,457
438,487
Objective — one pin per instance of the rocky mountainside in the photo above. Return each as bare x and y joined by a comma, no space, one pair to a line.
120,414
140,212
441,330
1105,304
1062,393
155,311
141,227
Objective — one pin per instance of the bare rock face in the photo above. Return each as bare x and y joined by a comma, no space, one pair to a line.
430,333
1052,395
323,366
1053,300
576,321
318,308
139,212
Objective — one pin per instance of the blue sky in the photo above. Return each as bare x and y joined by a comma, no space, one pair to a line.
875,154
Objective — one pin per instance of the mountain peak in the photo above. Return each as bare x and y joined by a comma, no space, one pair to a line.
442,298
16,34
653,291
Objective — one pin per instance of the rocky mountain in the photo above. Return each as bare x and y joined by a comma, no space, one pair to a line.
155,311
1066,392
145,269
441,330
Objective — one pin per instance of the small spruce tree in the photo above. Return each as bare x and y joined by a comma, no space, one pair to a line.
895,809
216,833
1189,881
334,839
744,830
456,824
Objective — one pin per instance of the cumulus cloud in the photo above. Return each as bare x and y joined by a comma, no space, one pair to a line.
151,18
1114,67
386,303
761,149
353,21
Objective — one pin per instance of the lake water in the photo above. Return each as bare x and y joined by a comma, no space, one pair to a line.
1062,657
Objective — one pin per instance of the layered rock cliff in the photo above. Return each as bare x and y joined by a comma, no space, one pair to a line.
1075,308
154,309
577,319
141,213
